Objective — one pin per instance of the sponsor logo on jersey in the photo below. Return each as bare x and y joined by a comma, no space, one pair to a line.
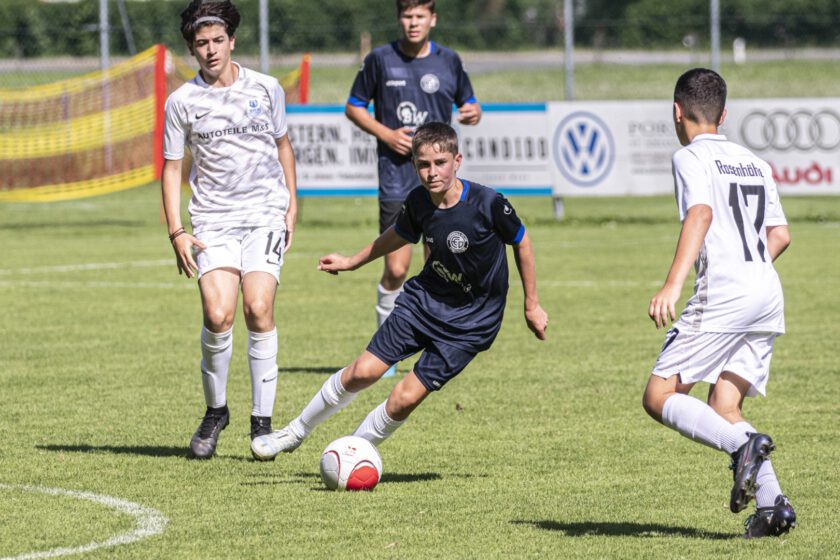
429,83
457,242
254,108
408,114
202,115
430,240
395,83
507,210
584,150
458,278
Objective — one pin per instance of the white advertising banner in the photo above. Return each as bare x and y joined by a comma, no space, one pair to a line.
599,148
625,147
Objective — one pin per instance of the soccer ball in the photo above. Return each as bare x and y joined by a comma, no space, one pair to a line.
351,463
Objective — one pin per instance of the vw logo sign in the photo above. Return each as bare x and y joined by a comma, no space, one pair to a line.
584,149
783,131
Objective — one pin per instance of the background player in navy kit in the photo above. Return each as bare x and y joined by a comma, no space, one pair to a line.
411,81
451,311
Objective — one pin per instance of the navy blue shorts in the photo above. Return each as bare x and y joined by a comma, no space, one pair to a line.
398,339
389,211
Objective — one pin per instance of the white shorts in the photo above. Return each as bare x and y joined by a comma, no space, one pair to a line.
703,356
247,249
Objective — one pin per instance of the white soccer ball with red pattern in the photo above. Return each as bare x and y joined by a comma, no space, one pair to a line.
351,463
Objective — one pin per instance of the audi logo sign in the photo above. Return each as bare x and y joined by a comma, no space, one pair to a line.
783,130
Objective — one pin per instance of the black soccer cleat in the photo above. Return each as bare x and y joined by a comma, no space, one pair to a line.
745,463
772,521
260,426
205,438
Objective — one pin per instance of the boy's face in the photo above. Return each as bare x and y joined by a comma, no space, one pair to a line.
437,169
416,24
211,48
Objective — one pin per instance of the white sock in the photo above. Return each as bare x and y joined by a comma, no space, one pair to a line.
768,484
385,303
330,399
377,426
216,349
262,361
698,421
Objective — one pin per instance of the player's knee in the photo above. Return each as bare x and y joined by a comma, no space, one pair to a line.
652,402
218,319
258,311
360,376
394,275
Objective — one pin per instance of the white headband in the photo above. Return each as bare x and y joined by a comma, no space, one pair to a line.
208,19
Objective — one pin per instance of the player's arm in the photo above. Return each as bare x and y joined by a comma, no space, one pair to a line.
694,228
535,316
386,243
396,139
286,155
182,242
778,239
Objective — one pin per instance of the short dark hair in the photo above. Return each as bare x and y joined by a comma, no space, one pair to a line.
403,5
701,93
435,134
222,9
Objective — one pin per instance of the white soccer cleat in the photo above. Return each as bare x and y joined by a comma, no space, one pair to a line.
267,447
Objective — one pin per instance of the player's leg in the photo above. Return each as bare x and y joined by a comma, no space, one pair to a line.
439,363
395,270
219,291
258,293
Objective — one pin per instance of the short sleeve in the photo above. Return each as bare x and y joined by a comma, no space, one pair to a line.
278,110
464,93
364,86
505,221
691,181
174,135
407,225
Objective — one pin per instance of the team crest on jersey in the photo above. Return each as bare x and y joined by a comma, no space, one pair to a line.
457,242
408,114
429,83
254,108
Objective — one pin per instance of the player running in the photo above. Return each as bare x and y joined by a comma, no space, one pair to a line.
451,311
411,81
733,229
242,210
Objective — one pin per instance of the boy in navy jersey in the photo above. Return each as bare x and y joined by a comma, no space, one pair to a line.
411,82
451,311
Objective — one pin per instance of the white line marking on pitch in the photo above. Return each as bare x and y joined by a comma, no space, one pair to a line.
112,285
149,522
87,266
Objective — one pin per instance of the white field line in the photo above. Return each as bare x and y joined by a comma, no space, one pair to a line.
148,521
79,267
56,284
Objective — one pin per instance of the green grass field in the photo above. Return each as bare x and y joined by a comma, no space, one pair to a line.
538,450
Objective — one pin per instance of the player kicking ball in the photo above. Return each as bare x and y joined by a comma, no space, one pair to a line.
451,311
733,228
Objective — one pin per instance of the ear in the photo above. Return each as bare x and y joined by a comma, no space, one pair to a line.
457,160
190,47
232,42
722,117
678,112
434,19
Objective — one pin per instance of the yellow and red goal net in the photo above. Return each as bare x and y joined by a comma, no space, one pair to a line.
98,133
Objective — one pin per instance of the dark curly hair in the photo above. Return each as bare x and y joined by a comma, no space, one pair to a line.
222,9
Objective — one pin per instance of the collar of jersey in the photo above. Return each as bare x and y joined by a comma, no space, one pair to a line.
708,136
396,46
464,194
200,81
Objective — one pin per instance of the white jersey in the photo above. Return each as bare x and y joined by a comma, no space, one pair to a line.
236,177
736,287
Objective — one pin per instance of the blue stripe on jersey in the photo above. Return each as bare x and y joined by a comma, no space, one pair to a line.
519,235
470,99
466,190
431,47
356,102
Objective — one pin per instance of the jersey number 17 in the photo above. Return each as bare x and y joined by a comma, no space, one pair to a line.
748,191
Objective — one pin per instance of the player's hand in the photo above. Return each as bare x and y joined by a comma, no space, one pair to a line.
662,305
291,219
334,263
399,140
537,320
183,246
469,113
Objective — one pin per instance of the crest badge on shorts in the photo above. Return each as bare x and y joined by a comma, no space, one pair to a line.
457,242
429,83
254,108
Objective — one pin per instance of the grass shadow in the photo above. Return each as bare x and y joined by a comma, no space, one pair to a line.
146,450
612,529
403,478
295,369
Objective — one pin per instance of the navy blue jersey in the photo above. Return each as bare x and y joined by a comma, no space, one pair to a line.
459,296
408,92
